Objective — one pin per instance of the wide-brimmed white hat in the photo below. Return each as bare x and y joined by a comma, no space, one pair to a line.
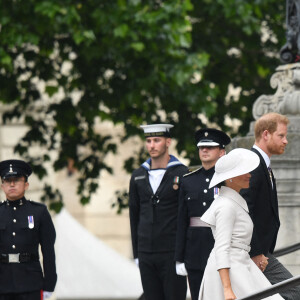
237,162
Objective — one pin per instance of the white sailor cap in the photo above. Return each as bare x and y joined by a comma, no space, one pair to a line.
157,130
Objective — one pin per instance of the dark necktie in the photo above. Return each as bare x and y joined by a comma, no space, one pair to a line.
270,174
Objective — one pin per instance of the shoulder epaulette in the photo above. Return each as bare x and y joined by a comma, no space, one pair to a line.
36,203
187,174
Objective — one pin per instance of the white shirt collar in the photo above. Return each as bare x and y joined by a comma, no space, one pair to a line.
264,155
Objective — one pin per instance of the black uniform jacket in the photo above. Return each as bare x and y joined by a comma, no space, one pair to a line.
153,217
263,209
24,225
194,244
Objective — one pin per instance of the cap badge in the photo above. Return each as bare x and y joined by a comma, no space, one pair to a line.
10,169
206,133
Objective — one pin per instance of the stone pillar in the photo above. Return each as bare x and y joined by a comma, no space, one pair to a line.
286,167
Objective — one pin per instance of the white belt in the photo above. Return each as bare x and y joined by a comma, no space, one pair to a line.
240,246
197,222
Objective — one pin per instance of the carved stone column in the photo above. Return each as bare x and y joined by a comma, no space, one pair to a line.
286,99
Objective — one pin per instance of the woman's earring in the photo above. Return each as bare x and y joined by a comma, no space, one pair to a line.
230,180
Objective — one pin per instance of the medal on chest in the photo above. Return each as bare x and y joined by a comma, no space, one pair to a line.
176,183
30,222
216,192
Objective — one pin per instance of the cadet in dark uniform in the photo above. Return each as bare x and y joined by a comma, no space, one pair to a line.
153,207
194,240
24,226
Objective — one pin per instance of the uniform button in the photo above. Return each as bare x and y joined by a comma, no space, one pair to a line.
14,220
15,208
14,246
204,203
207,179
13,233
205,191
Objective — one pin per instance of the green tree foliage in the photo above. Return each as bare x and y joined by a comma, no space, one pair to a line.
67,65
243,39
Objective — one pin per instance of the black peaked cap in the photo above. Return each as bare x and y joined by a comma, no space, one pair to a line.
211,137
14,168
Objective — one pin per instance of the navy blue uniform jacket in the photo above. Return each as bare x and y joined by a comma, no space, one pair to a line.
16,236
194,244
153,217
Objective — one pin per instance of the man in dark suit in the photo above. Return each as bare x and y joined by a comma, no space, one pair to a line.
24,226
270,139
153,208
194,238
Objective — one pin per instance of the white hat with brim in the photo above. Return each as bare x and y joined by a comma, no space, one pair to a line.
157,129
237,162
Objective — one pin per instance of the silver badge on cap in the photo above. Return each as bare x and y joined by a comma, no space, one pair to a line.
206,133
10,169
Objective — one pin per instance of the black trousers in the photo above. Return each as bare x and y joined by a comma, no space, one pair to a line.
195,279
36,295
159,278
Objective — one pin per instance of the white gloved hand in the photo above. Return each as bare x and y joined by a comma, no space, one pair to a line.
180,269
46,294
136,260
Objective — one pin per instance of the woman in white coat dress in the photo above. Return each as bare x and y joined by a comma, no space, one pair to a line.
230,272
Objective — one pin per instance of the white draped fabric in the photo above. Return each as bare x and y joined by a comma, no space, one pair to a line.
89,269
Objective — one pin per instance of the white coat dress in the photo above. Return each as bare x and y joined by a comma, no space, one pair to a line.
232,229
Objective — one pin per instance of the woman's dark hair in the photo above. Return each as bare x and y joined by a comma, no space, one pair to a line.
223,183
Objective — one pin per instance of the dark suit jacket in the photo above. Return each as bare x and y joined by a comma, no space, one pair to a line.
263,208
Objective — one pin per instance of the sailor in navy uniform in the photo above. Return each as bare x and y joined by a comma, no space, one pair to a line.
194,240
153,207
24,227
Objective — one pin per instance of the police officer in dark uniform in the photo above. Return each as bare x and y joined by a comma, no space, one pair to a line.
24,226
194,239
153,207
